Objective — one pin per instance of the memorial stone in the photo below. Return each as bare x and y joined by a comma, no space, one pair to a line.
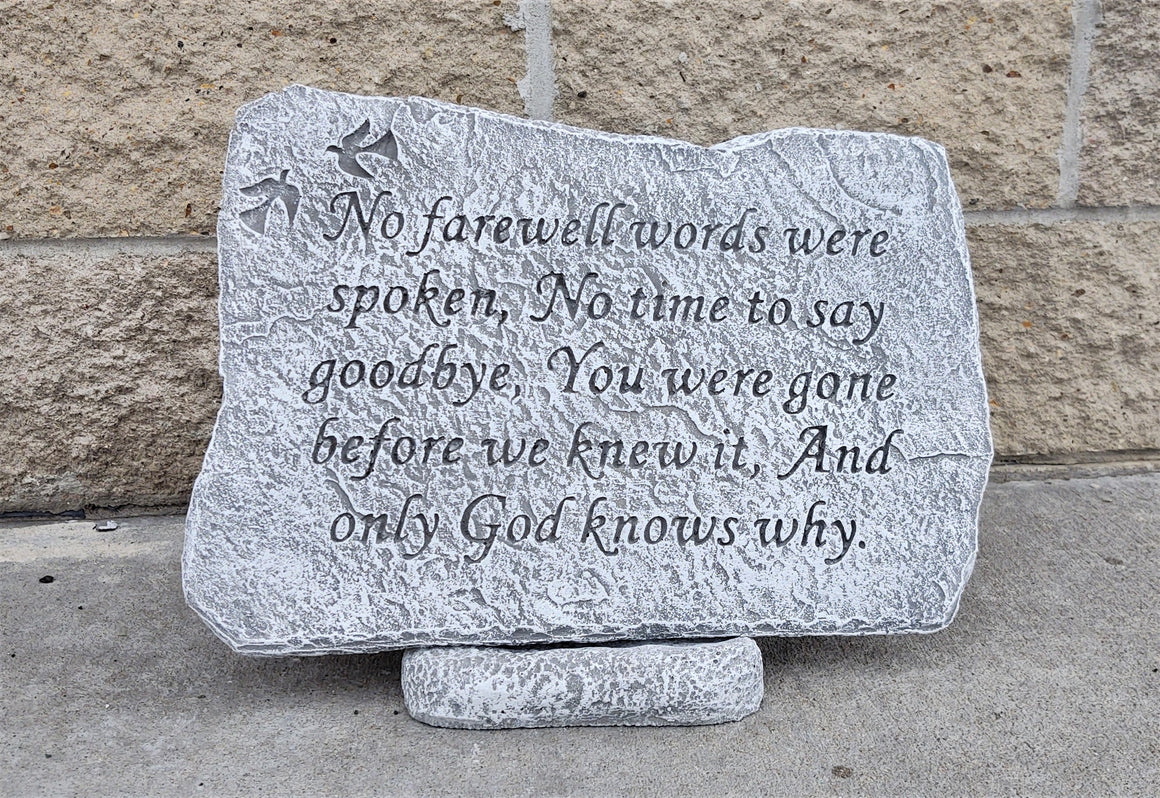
627,684
497,381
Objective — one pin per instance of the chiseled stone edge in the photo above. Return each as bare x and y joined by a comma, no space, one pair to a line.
296,644
683,683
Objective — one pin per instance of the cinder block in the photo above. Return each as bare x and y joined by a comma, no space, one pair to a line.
110,370
114,117
988,80
1118,162
1070,326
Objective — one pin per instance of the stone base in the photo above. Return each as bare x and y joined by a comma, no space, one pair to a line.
615,684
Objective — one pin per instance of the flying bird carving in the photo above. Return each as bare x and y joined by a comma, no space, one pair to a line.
274,190
350,147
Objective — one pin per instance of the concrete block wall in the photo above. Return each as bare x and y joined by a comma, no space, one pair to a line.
114,118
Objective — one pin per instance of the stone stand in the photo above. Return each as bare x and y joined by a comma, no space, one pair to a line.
671,683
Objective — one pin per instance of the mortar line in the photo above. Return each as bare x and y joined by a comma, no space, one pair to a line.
538,86
177,244
1048,216
1086,18
999,473
156,246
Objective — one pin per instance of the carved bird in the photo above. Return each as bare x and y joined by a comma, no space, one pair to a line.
349,149
274,190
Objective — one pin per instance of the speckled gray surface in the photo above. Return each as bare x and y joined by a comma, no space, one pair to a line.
634,684
291,549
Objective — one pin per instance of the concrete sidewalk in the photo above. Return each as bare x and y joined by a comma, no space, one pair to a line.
1046,684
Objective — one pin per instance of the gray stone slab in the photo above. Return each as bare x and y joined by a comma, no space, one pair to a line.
683,683
393,271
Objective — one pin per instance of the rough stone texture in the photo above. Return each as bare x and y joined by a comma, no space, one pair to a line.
114,117
1071,336
1118,163
637,684
986,80
111,377
291,550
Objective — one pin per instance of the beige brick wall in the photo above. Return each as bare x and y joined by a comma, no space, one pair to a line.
707,72
1070,327
1122,108
114,118
111,379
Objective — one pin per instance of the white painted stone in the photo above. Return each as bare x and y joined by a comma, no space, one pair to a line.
635,684
276,560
